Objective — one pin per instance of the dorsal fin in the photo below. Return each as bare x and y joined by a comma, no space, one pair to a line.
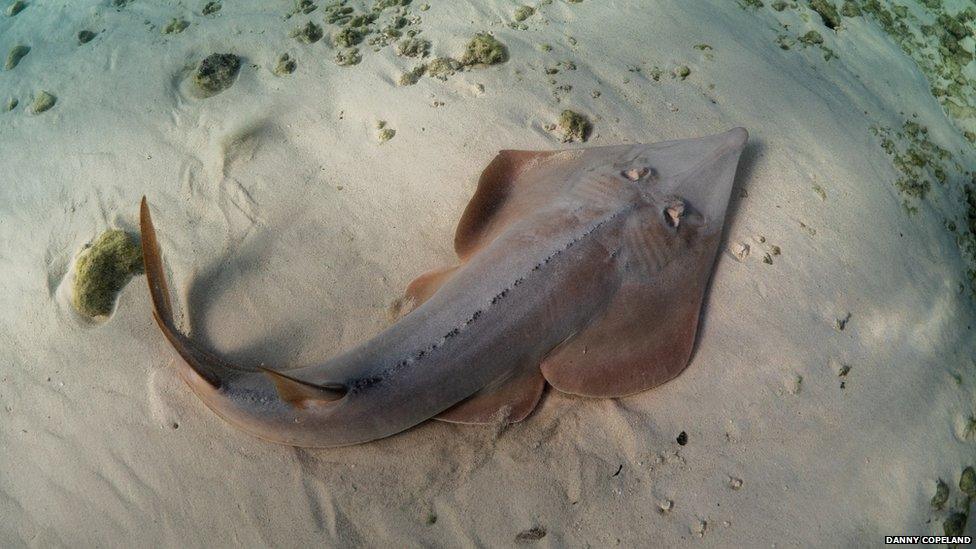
302,393
420,291
496,187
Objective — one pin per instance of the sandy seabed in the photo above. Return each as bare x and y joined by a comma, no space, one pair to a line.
290,225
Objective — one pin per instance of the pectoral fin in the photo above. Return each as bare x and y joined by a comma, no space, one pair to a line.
505,188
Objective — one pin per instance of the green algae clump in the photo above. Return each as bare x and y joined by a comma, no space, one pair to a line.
15,8
216,72
967,482
827,11
484,49
386,134
86,36
812,37
941,495
42,102
682,72
308,34
348,37
850,9
955,524
102,270
522,13
16,54
286,65
443,68
574,126
413,47
176,26
348,57
211,8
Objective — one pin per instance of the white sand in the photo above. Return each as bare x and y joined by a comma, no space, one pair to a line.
279,266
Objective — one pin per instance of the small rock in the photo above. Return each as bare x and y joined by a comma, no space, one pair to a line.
86,36
941,495
16,54
216,73
42,102
739,250
532,534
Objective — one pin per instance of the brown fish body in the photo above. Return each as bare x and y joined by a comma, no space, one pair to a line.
544,272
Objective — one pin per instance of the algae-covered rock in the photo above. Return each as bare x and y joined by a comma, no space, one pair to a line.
523,12
484,49
176,26
954,524
347,57
682,72
967,482
850,9
412,76
16,54
941,495
15,8
102,270
347,37
11,104
305,6
812,37
442,68
413,47
42,102
211,8
216,73
386,134
827,11
86,36
573,126
308,33
286,65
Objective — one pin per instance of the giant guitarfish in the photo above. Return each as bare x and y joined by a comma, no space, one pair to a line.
584,269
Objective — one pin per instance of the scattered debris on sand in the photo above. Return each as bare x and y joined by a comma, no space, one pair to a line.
102,270
216,73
